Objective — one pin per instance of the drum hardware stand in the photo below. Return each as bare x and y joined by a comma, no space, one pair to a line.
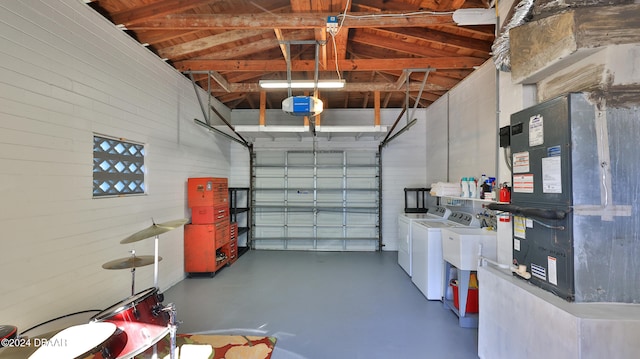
155,263
132,262
173,326
133,272
154,231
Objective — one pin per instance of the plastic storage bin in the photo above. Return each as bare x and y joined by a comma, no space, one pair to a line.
472,298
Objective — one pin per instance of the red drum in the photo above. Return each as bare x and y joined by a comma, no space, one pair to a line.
141,317
142,307
103,339
8,332
140,337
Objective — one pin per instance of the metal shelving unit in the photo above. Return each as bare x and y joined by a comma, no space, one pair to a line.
240,212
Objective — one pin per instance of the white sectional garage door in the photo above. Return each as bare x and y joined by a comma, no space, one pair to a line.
305,200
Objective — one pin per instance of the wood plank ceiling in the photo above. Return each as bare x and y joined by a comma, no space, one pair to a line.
229,45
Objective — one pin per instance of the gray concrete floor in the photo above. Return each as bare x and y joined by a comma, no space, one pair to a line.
323,305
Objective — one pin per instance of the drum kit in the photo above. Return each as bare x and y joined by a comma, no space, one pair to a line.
126,329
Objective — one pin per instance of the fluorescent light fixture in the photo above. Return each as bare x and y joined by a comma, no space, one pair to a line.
302,84
464,17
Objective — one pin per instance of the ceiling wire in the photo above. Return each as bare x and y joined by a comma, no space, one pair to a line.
333,37
262,8
335,55
347,6
403,15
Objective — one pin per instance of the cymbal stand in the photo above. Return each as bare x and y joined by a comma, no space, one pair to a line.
133,272
155,263
173,326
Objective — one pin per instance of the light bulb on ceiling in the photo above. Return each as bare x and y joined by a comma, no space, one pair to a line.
302,84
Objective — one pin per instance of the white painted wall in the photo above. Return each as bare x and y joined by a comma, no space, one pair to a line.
466,118
461,133
437,141
472,125
65,74
512,99
404,165
240,166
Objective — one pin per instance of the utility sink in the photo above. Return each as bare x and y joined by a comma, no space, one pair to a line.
461,246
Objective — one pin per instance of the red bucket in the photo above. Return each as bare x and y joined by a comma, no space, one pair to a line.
472,298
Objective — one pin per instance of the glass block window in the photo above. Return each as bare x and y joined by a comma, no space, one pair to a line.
118,167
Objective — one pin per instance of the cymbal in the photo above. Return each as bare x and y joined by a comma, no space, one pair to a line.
154,230
130,262
175,223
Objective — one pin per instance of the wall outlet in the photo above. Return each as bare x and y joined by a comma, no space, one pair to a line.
332,25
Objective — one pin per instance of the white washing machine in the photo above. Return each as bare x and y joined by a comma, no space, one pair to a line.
405,236
426,252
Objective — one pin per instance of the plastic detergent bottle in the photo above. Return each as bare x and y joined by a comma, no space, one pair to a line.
480,190
472,187
483,179
464,186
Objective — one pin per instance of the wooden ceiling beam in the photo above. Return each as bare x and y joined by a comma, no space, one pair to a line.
423,102
425,96
288,21
254,47
483,32
347,95
238,52
283,46
423,35
231,96
262,119
207,42
418,48
391,5
234,77
301,6
424,5
154,37
158,8
235,103
402,80
241,42
446,79
387,98
250,101
365,101
342,39
449,5
376,107
462,62
320,6
339,41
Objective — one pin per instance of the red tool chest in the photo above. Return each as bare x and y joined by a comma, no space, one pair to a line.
207,245
209,214
207,191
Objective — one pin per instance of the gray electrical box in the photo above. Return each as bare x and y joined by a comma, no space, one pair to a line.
576,173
